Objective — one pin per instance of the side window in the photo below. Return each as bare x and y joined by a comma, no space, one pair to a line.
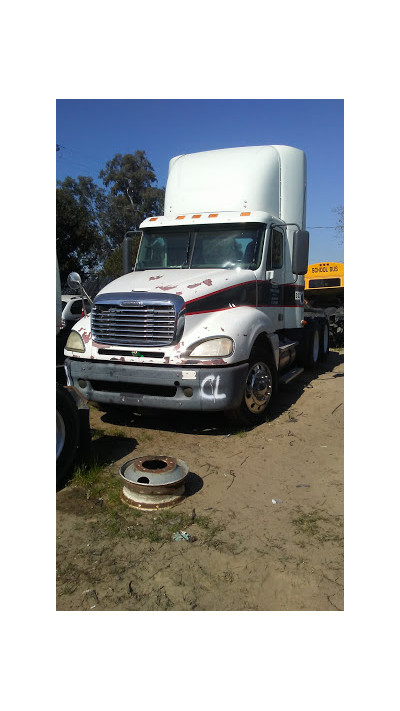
155,252
76,307
275,251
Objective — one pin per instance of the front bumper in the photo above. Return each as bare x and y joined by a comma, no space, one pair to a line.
162,387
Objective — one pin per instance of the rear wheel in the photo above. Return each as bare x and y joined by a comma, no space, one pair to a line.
309,350
314,347
324,340
258,390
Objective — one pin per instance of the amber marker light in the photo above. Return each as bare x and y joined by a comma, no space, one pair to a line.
244,214
180,217
196,216
214,214
153,219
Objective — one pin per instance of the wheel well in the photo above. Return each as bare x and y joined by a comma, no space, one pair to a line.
263,344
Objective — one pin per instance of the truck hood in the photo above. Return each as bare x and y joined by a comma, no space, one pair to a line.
190,284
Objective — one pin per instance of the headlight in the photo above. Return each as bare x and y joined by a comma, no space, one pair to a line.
211,348
75,342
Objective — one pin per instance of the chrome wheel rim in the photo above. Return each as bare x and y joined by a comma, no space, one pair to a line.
60,434
258,388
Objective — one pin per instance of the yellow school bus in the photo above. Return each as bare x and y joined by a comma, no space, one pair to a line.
326,276
324,290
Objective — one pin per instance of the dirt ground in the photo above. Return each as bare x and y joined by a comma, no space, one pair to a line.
245,552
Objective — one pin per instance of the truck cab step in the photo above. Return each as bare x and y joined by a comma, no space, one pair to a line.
290,375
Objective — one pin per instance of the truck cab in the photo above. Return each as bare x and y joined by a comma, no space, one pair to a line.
211,316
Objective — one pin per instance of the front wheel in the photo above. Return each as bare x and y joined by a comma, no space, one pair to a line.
258,391
67,434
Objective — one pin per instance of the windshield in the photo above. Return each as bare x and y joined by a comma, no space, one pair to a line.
236,247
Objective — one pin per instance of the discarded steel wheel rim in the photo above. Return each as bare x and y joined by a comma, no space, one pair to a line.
153,482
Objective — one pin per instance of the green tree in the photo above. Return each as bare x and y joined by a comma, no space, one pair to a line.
92,219
80,239
130,181
112,265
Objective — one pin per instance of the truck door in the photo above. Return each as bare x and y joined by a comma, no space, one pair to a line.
271,294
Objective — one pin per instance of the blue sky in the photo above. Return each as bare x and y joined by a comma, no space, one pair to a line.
91,132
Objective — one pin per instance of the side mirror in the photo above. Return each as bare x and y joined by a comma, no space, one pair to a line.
301,240
74,281
127,250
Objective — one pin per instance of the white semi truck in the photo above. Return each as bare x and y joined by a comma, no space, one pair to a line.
212,316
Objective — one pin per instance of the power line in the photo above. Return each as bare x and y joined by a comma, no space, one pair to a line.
63,159
95,162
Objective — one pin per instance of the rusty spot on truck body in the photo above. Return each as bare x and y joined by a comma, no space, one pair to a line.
207,282
85,335
100,345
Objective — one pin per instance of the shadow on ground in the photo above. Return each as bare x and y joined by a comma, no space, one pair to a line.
289,394
215,423
193,484
107,449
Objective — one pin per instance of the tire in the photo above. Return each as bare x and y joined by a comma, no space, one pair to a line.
259,390
67,434
309,351
85,441
324,340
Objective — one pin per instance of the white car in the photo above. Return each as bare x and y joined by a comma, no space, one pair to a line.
72,311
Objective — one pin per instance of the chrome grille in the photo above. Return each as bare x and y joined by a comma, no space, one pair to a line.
141,322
